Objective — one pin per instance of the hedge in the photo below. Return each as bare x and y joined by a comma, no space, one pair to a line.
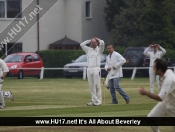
58,58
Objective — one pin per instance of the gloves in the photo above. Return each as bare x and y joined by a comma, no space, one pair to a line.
1,81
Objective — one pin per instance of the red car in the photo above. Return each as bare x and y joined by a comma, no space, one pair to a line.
23,60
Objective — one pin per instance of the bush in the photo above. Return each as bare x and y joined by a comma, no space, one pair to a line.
57,59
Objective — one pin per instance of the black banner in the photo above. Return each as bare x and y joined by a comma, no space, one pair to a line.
87,121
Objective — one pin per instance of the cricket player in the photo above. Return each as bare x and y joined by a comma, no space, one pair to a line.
7,94
93,71
166,96
153,55
113,66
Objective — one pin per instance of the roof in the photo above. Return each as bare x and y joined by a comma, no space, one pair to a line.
64,41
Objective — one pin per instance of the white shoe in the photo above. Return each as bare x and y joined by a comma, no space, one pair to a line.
97,104
1,107
90,104
12,97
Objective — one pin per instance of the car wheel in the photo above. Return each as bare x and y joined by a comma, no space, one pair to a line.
20,74
134,59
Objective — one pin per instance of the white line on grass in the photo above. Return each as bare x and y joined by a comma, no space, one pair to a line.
36,107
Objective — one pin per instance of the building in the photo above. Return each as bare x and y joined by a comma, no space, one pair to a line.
78,20
65,44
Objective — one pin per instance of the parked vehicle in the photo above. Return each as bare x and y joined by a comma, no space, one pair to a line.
23,60
81,62
135,58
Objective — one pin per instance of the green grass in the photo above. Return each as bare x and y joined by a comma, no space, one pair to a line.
68,98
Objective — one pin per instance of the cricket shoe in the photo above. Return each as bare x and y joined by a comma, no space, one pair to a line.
90,104
97,104
1,107
11,96
8,94
128,101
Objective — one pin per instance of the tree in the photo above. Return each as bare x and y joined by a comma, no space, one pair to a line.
158,23
113,8
127,30
141,22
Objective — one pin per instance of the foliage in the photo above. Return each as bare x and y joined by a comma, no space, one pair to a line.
57,59
158,24
170,56
113,8
127,29
140,23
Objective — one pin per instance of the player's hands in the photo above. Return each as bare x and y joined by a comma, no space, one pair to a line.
1,81
97,38
108,69
158,45
154,45
115,67
151,46
142,91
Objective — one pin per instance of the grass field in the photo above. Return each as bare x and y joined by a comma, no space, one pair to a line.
68,98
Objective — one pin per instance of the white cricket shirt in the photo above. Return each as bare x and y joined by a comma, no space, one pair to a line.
93,54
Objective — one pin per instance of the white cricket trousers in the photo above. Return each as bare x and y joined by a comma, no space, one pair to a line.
94,76
2,103
160,110
152,77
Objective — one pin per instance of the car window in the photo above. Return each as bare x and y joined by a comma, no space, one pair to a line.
103,58
28,58
13,58
83,58
36,58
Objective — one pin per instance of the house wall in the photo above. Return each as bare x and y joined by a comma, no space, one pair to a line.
73,15
29,39
94,27
52,24
66,17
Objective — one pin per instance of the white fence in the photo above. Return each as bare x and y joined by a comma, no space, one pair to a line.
85,70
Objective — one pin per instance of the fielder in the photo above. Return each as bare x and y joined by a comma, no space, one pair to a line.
166,96
7,94
93,71
153,55
113,66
